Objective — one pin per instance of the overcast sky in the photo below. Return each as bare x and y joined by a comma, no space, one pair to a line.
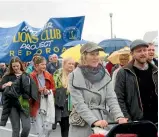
131,18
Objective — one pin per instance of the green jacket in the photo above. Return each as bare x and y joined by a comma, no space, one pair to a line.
58,84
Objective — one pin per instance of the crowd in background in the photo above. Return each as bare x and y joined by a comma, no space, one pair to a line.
93,91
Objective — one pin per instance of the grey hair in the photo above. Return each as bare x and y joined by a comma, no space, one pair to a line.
54,55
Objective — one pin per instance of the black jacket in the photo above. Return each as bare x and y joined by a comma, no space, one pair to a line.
51,67
60,97
156,62
2,72
128,93
24,86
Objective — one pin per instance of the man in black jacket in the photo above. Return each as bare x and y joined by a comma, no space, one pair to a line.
137,85
151,54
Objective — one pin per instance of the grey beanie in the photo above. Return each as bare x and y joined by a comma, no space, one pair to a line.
137,43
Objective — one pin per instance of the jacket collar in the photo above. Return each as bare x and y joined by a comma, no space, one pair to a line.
46,75
78,81
129,66
155,61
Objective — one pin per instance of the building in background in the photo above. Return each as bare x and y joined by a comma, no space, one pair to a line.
152,36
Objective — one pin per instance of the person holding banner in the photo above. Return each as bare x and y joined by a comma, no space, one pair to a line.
46,86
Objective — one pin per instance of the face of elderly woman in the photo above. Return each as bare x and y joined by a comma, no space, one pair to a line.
92,59
69,65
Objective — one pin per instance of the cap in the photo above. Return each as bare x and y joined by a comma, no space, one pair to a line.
89,47
137,43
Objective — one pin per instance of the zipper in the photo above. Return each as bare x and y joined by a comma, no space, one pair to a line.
138,87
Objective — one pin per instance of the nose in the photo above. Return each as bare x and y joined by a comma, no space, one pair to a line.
96,56
143,52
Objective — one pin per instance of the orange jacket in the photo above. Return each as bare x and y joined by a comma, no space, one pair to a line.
49,83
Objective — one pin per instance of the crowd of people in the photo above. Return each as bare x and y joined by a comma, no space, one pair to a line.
79,96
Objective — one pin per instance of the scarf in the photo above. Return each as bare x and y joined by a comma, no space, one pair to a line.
93,74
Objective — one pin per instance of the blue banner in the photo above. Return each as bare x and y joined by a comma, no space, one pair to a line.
24,41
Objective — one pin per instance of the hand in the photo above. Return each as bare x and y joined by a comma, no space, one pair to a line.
44,88
8,84
4,85
46,92
101,123
41,90
122,120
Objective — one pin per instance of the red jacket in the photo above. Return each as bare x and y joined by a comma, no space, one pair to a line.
49,83
109,67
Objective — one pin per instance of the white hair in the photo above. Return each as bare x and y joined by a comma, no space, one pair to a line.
54,55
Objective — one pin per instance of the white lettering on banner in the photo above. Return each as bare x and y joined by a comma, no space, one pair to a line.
45,51
28,29
48,25
42,44
35,33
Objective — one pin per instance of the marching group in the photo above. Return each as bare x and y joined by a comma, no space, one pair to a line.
80,96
